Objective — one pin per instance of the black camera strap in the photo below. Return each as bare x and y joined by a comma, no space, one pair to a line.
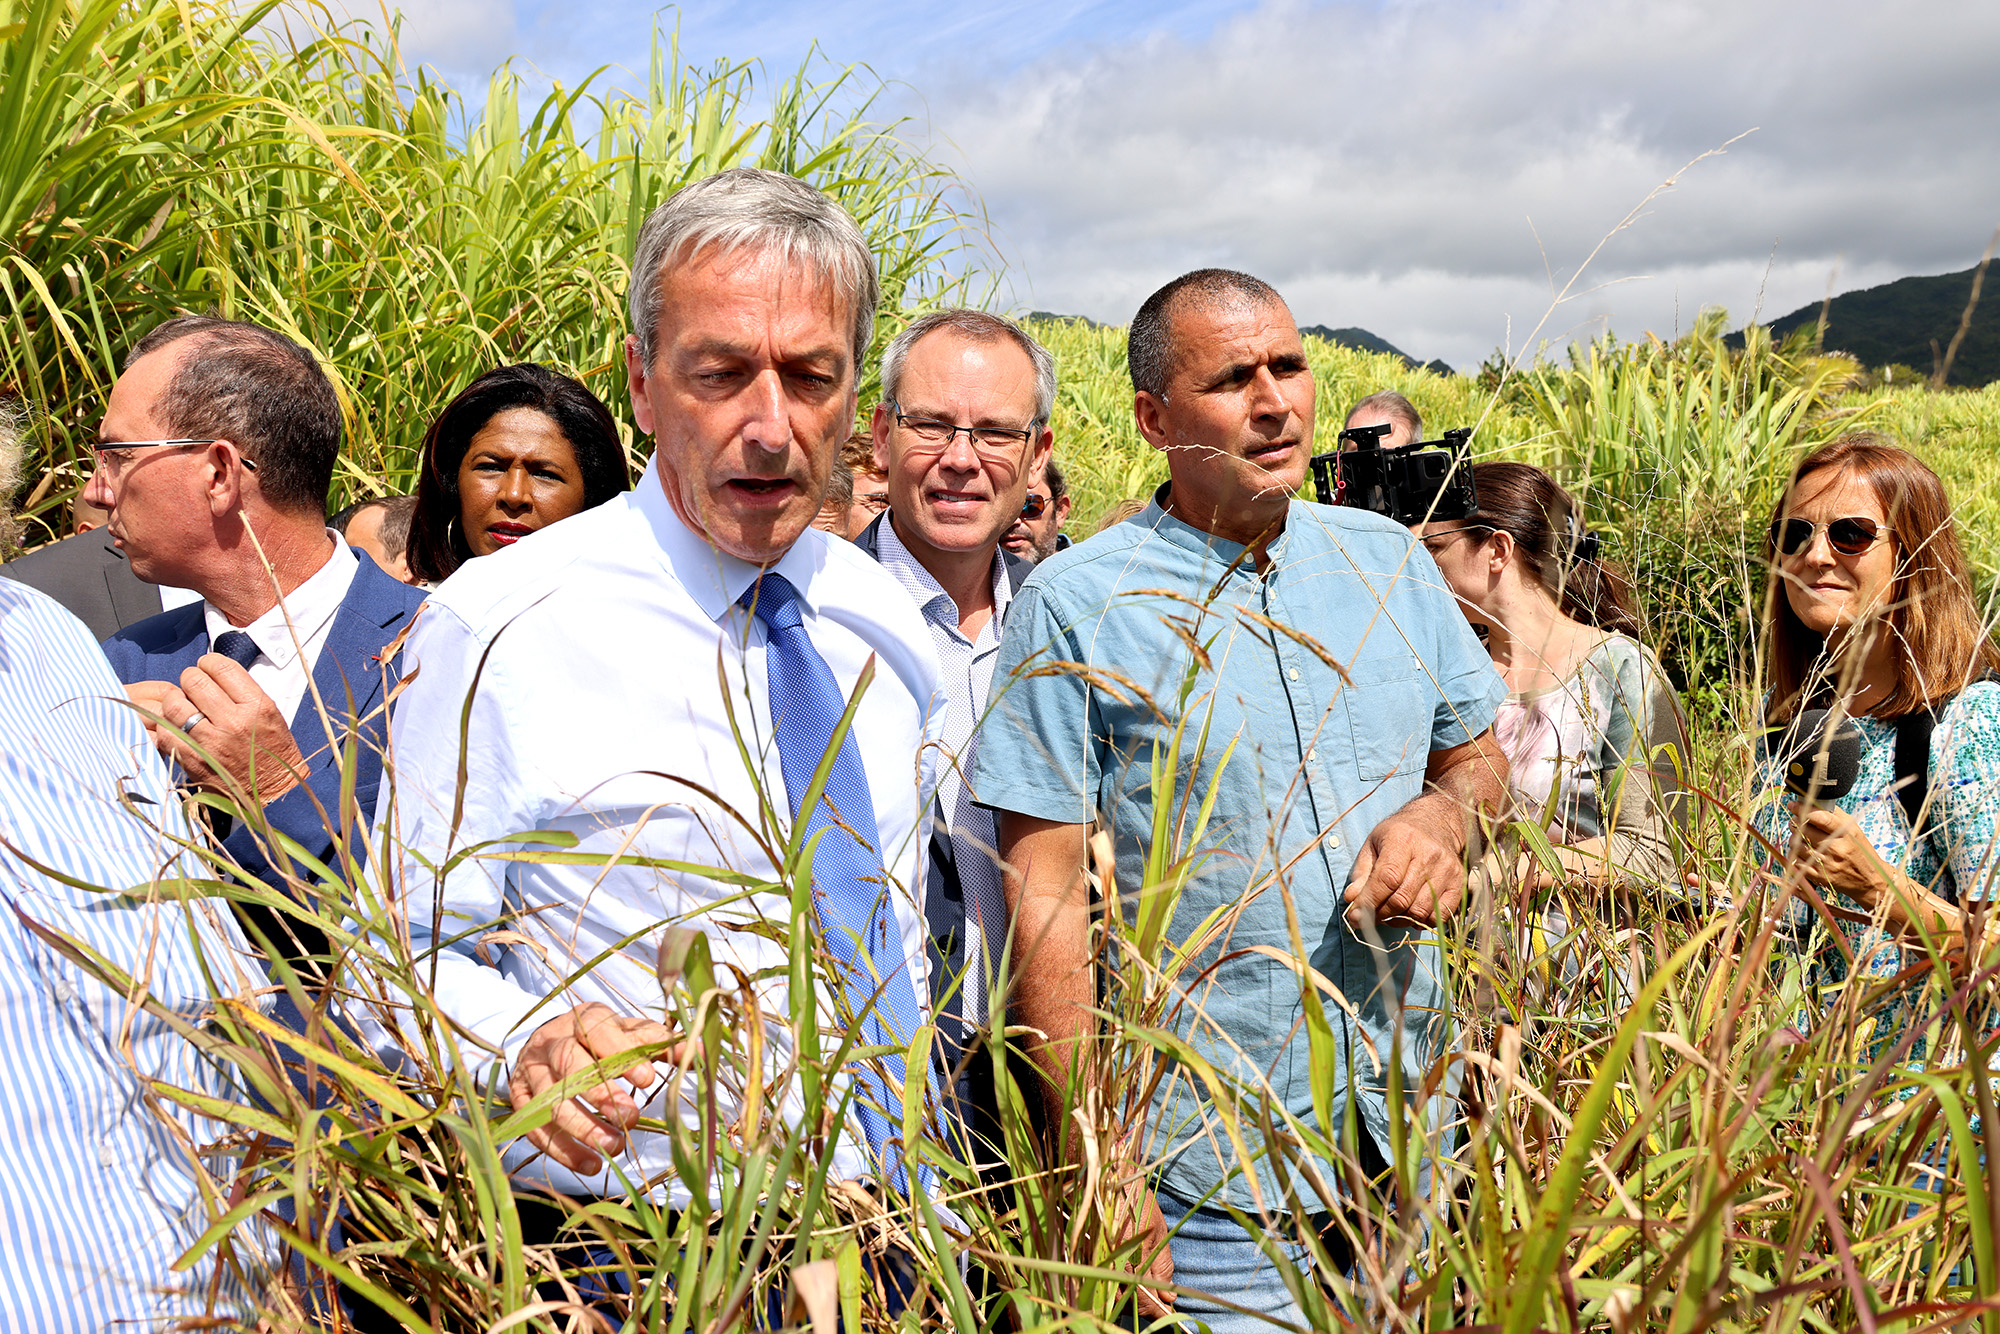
1913,756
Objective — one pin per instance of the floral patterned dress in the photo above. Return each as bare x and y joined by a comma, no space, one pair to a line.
1953,859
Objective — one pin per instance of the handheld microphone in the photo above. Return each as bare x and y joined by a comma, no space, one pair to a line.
1819,760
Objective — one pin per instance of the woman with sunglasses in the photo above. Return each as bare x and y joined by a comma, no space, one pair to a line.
1591,727
1874,617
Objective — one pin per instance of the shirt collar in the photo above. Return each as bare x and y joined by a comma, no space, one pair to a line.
300,615
712,577
930,595
1190,538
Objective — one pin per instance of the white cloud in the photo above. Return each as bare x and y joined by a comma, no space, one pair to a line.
1413,168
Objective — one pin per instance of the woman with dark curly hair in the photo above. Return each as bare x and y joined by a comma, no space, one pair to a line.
519,449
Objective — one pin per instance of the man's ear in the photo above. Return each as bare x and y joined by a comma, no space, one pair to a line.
1038,457
635,382
878,431
1150,413
226,478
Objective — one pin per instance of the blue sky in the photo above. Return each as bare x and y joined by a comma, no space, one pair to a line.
1437,171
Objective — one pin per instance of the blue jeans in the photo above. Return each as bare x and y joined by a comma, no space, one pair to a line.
1213,1253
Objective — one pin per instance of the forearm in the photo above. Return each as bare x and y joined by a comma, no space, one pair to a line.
1468,781
1053,981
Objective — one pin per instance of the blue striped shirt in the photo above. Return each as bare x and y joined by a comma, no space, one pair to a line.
98,1193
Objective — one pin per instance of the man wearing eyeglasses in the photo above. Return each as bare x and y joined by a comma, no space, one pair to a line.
213,462
963,424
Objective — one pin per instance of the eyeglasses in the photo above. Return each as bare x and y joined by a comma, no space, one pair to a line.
113,455
986,439
1848,537
1436,542
1034,506
875,501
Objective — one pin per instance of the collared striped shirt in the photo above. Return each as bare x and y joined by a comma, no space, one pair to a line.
98,1195
965,673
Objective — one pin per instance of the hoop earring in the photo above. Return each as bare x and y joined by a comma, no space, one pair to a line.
451,533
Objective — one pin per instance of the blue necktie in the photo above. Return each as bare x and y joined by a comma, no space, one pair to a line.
238,647
851,891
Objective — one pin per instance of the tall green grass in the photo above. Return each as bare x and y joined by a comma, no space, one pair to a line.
1659,1129
167,155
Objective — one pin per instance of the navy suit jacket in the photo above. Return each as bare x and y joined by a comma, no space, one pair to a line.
375,611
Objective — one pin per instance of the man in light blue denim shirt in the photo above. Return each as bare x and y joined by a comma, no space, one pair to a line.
1345,790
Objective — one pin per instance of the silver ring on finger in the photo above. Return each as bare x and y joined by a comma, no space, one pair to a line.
193,720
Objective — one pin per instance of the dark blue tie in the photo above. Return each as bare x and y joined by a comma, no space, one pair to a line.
856,916
238,647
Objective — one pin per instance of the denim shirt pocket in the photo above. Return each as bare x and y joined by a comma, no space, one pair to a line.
1390,732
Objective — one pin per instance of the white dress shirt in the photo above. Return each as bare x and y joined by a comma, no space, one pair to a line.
613,637
290,636
967,674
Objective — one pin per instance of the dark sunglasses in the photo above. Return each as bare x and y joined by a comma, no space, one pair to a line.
1849,537
1034,506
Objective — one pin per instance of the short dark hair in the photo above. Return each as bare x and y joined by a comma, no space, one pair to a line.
257,389
1150,347
1392,405
397,513
1057,483
437,547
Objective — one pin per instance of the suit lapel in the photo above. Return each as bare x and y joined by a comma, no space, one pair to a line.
350,662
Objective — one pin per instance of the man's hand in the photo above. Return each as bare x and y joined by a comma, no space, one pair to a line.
228,716
574,1042
1139,1214
1412,868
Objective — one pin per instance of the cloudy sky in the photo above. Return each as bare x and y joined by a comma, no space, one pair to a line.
1436,171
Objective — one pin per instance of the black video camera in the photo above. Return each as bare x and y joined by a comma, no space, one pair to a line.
1414,483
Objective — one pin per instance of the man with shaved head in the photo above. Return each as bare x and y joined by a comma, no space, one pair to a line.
1303,668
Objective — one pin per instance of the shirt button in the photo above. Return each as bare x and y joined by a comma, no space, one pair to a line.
1333,840
1293,673
1309,754
64,991
105,1157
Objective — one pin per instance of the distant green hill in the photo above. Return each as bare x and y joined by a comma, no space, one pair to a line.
1363,341
1896,323
1359,339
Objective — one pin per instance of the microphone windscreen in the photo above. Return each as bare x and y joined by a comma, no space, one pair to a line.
1820,759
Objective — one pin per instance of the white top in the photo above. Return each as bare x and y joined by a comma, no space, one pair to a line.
290,635
613,638
967,677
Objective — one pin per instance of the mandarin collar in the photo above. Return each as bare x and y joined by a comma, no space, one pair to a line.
1190,538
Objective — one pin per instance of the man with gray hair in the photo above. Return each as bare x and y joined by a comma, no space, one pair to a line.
646,677
1387,408
963,424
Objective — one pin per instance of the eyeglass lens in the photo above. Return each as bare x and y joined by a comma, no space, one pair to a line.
1032,507
1849,537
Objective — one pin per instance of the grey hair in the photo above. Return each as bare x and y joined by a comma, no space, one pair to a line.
1388,403
1151,348
13,423
748,208
980,327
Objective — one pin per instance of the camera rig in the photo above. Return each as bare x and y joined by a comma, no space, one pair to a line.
1413,483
